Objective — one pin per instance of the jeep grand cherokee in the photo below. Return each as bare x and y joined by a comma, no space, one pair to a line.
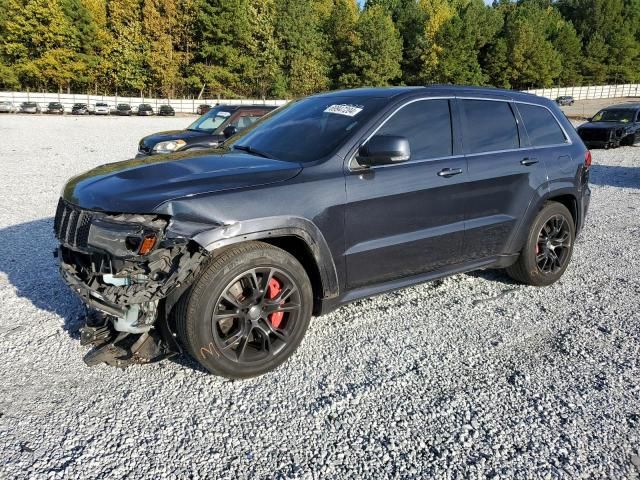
228,253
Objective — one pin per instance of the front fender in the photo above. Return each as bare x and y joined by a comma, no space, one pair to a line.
272,227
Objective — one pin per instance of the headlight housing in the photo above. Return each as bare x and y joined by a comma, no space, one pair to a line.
169,146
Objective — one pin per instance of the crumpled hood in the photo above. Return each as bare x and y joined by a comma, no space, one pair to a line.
141,185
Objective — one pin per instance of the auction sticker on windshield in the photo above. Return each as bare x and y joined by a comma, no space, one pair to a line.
343,109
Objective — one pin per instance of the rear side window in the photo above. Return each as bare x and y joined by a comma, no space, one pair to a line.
427,126
488,126
541,125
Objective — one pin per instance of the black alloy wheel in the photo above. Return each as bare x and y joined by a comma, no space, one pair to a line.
554,245
247,312
255,315
548,248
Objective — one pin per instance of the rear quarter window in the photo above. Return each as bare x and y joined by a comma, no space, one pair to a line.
488,126
542,127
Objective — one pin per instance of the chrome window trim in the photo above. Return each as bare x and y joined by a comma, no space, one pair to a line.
564,132
359,169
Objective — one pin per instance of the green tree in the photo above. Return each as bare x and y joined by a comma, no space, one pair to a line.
376,59
127,51
342,38
303,47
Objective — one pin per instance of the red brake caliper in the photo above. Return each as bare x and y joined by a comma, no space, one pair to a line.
273,290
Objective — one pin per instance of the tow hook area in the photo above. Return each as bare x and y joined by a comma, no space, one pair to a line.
120,349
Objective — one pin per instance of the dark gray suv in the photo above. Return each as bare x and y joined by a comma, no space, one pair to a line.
228,252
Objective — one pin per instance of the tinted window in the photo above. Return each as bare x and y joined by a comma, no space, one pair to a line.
309,129
541,125
488,126
427,126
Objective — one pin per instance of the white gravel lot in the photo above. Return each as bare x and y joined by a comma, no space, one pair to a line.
473,376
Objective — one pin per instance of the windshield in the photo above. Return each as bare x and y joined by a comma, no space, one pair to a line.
123,106
614,115
211,121
55,105
309,129
101,105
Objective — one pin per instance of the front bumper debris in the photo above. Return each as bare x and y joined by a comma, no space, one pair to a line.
125,290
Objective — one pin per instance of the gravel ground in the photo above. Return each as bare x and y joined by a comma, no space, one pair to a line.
473,376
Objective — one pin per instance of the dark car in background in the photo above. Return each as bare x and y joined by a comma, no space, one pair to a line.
145,110
202,109
327,200
612,127
166,111
208,131
80,109
29,107
55,108
123,109
565,100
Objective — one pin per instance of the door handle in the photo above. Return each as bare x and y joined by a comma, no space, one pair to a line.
449,172
527,162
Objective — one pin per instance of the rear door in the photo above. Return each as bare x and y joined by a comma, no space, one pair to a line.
504,174
408,218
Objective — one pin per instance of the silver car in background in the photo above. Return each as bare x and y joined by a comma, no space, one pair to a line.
7,107
30,107
101,109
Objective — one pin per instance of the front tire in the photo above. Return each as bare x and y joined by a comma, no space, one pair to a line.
548,248
248,311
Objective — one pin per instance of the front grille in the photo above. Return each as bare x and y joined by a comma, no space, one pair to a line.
595,134
72,224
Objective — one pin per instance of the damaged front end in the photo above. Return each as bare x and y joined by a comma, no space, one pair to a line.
124,267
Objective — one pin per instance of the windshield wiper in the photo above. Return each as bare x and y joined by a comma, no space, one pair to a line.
252,151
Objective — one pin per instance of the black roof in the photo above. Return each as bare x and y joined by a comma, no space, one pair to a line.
391,92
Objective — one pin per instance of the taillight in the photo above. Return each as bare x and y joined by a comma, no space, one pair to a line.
587,159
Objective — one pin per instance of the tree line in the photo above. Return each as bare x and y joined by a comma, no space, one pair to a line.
290,48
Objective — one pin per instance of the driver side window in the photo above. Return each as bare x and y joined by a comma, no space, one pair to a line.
427,126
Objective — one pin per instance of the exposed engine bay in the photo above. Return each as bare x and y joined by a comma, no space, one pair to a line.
124,267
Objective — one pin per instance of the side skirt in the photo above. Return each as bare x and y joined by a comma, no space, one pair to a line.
500,261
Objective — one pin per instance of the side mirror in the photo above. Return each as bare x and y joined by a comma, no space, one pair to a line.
384,150
230,131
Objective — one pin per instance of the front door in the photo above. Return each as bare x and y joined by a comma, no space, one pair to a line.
408,218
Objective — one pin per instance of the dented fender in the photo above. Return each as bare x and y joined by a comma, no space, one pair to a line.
227,233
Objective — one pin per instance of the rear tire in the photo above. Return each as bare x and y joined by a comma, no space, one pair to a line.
247,312
548,248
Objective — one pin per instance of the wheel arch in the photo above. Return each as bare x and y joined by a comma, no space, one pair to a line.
298,236
566,197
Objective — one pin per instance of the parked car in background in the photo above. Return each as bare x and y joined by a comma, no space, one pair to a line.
7,107
329,199
166,110
29,107
55,108
80,109
565,100
123,109
208,131
612,127
202,109
144,109
101,109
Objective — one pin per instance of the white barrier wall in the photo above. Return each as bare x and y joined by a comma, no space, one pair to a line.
592,92
179,105
190,105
